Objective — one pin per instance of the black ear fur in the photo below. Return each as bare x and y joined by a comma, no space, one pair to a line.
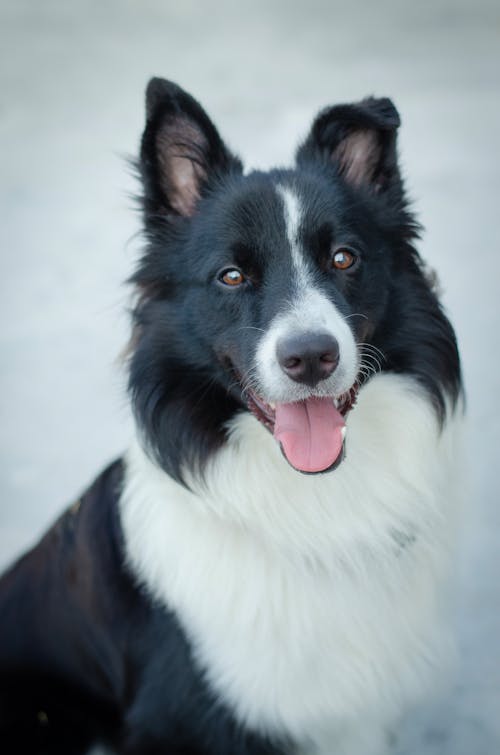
181,151
359,139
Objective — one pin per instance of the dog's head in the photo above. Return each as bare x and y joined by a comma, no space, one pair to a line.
276,293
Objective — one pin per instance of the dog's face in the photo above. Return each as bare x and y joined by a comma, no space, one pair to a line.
263,292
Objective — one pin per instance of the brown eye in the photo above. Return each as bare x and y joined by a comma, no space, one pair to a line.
232,277
343,259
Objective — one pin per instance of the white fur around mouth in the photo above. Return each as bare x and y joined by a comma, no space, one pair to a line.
264,411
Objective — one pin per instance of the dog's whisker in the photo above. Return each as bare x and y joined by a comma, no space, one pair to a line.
250,327
371,347
355,314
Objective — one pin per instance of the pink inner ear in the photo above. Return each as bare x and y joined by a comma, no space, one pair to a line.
181,148
358,155
185,177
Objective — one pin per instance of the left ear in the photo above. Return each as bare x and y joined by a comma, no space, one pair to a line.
360,140
181,152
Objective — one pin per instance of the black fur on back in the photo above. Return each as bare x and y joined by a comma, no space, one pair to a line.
86,657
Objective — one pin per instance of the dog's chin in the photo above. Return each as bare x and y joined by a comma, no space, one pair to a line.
310,433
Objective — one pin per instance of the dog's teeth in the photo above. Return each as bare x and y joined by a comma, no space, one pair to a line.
336,402
343,431
272,405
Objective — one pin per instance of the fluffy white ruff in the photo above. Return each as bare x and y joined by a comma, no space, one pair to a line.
310,601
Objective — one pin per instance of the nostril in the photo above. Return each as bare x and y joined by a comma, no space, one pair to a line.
292,362
329,358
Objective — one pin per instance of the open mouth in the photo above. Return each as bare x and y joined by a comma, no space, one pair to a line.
311,433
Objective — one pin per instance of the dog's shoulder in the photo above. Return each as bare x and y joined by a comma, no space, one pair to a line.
68,589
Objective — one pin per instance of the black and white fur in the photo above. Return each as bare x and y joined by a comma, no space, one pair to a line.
204,597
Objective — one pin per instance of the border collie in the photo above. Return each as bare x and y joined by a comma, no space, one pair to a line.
262,572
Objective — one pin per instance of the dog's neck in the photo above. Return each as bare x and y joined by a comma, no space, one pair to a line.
266,568
374,498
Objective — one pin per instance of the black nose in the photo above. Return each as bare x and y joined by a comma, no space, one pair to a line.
308,357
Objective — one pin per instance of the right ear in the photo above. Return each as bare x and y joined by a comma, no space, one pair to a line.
359,140
181,152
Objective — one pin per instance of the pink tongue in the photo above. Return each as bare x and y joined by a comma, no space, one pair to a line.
310,433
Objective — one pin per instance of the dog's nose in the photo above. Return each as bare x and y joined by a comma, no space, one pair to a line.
308,357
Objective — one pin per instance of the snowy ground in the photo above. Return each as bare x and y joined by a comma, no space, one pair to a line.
72,80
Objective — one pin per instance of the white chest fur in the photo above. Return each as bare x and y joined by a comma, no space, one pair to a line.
308,600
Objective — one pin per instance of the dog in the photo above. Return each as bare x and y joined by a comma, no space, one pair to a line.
263,570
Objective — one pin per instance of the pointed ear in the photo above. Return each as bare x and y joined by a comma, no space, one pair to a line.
359,140
181,151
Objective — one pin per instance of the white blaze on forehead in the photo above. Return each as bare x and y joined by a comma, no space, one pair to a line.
310,311
293,217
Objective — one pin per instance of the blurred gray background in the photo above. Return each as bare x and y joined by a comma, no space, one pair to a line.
72,82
